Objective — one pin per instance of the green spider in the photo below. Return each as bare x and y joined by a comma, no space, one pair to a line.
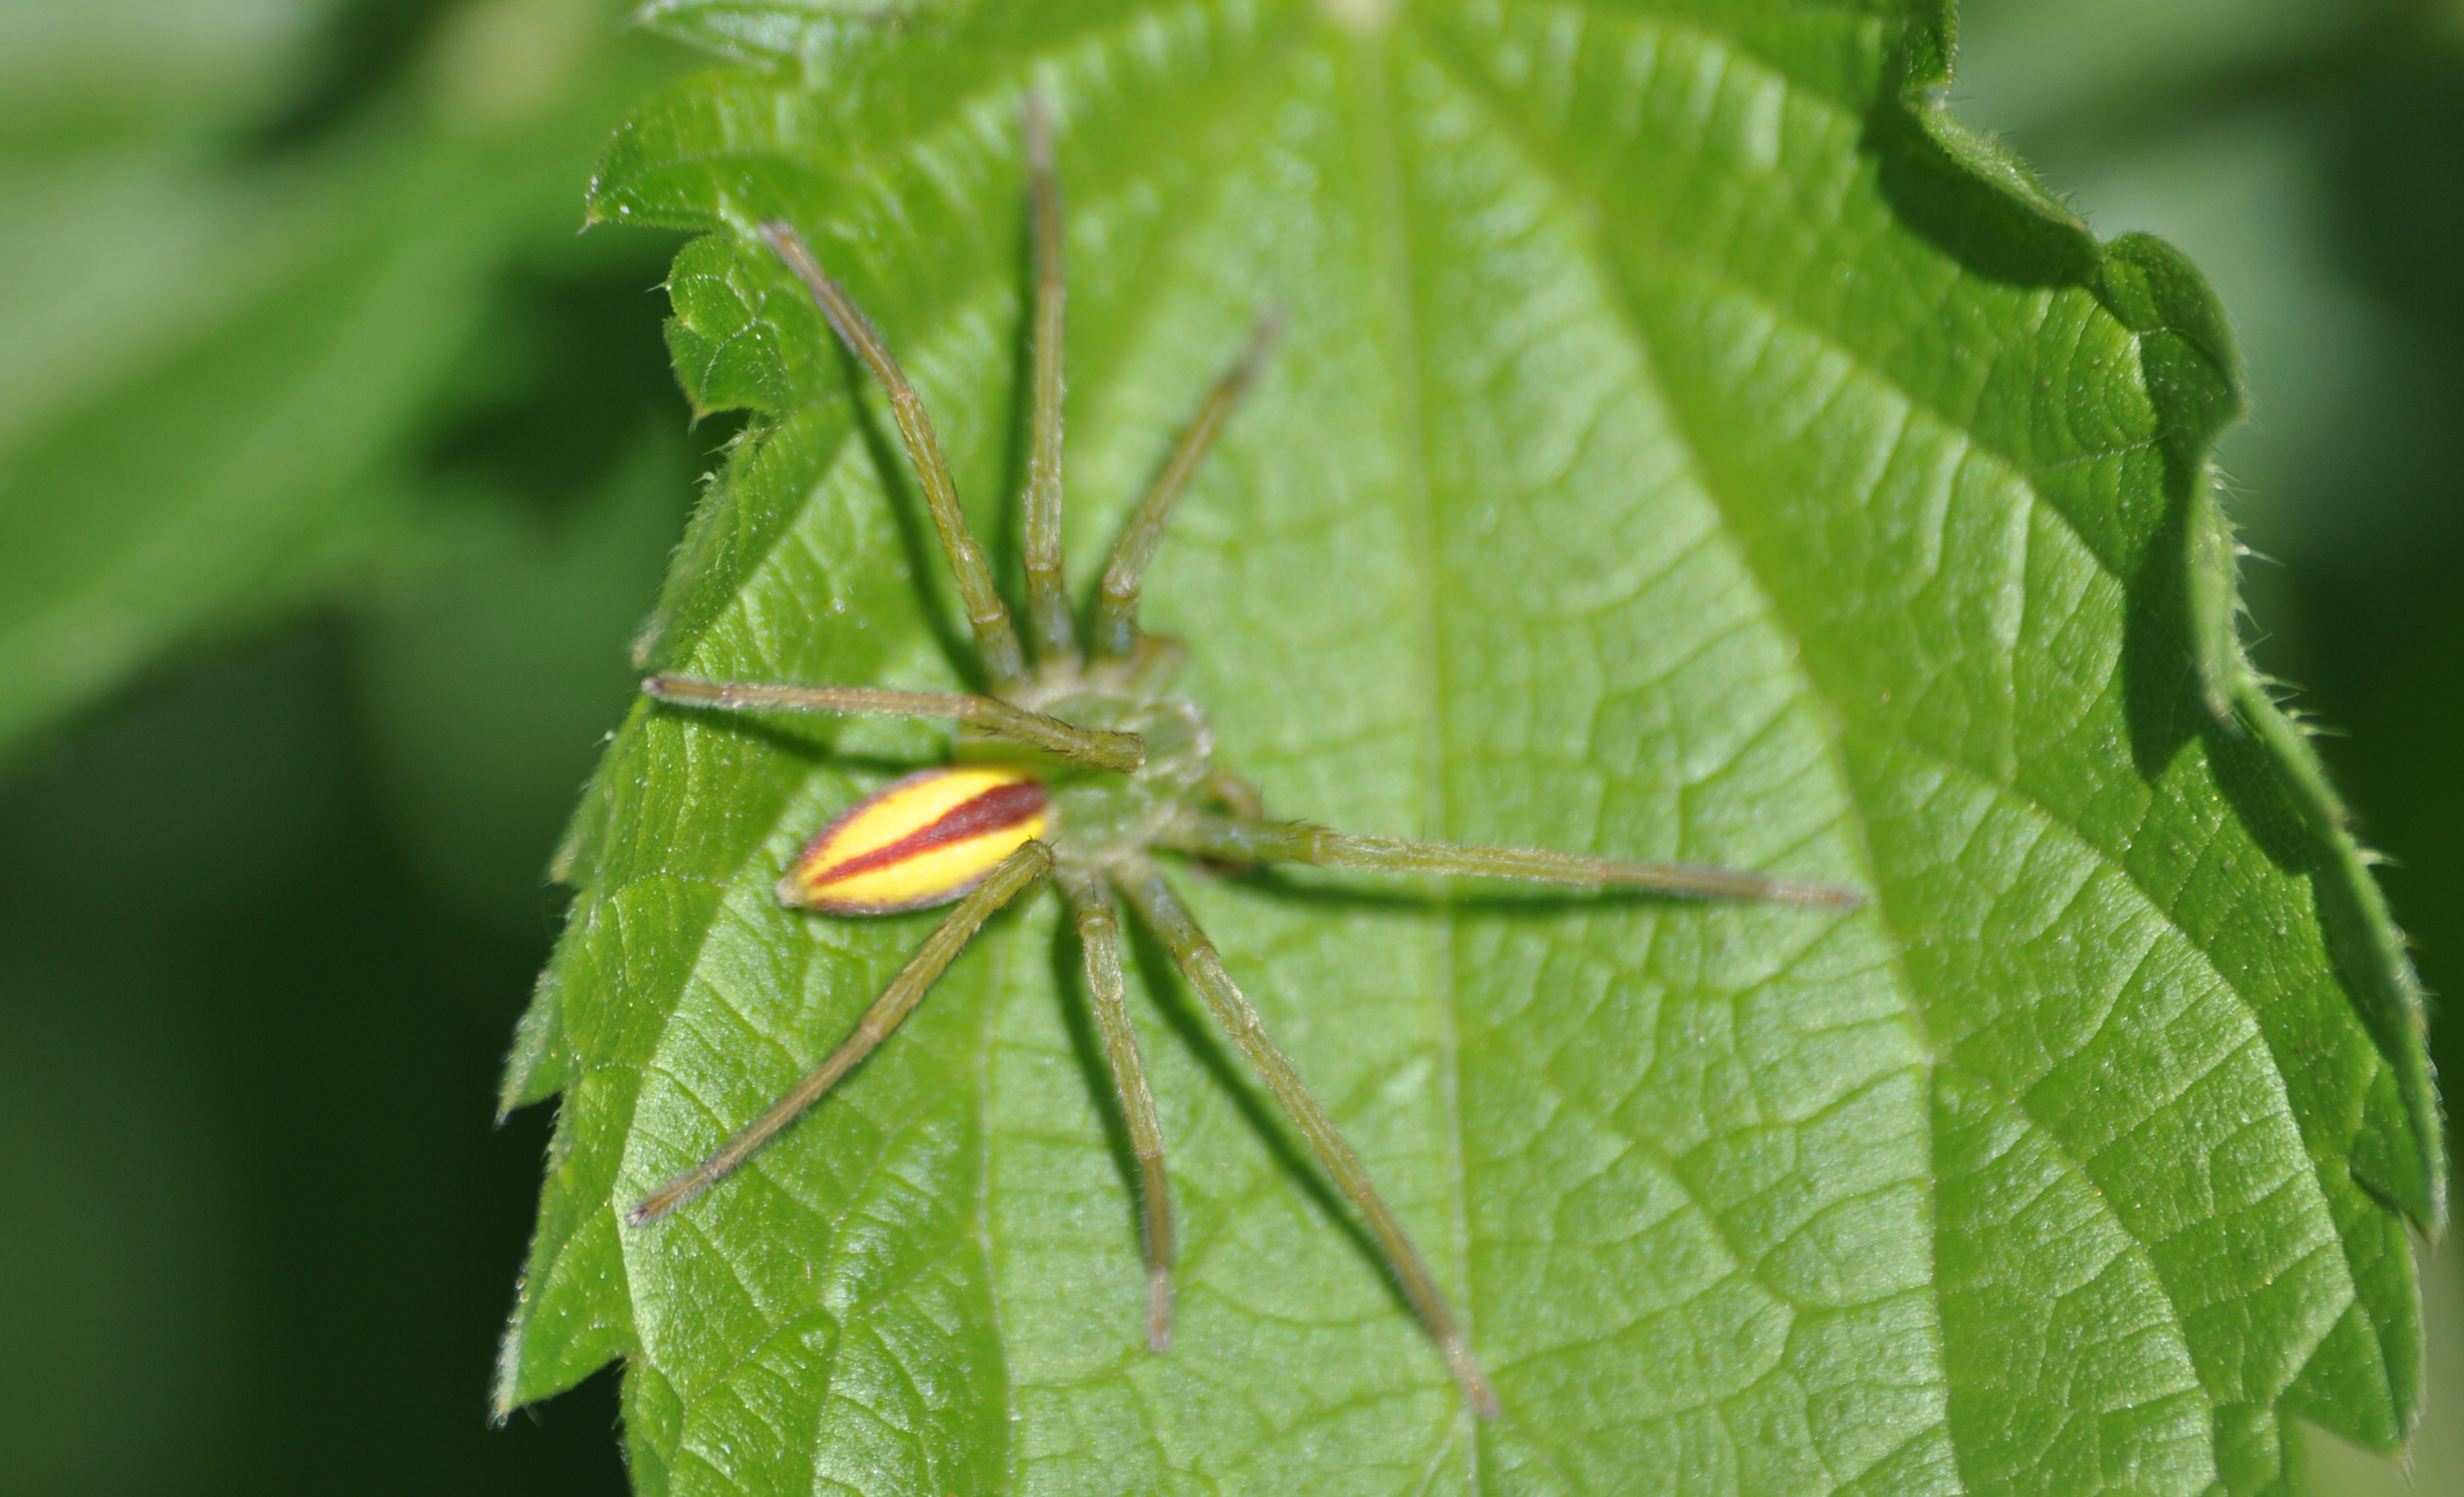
1119,769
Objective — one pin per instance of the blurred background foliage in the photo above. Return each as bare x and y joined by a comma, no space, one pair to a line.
336,471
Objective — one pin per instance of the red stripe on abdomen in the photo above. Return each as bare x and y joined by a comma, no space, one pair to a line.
996,809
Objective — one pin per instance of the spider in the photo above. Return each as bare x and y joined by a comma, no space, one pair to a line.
1106,768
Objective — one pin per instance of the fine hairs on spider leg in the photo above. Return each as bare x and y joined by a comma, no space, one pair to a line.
1107,768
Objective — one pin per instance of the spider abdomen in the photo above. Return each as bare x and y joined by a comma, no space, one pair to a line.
920,841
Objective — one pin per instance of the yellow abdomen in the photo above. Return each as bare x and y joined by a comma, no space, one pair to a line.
924,840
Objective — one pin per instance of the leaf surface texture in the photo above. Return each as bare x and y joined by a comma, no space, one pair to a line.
1687,444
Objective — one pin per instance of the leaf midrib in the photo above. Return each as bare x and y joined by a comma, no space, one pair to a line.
1391,228
1527,150
1839,727
1501,123
1843,721
1424,513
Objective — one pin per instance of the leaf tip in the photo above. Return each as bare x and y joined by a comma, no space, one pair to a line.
504,1392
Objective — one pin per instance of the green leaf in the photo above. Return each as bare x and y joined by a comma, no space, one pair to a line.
1689,444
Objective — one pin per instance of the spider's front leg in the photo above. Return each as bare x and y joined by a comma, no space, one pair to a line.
995,640
1116,598
1047,588
1249,838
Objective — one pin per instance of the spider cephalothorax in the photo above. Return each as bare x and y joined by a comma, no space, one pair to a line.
1083,767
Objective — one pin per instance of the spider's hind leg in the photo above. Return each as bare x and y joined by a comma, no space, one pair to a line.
1099,936
1097,748
1144,886
1017,873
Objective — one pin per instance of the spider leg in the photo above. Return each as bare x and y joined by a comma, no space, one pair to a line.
1235,794
1116,602
1097,747
1099,934
1252,840
995,639
1016,874
1143,884
1047,590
